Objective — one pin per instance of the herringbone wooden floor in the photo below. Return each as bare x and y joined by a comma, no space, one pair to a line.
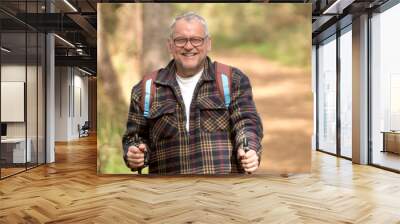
70,191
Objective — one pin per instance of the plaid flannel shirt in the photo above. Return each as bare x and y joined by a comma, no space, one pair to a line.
215,132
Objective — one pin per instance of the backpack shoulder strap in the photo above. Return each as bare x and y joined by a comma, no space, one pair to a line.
148,90
223,75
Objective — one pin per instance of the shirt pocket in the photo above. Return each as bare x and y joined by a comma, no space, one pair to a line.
163,121
214,116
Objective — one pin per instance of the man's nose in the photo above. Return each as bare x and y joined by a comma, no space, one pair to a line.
188,45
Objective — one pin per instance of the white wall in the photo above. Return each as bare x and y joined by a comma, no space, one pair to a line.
71,94
12,101
33,126
80,101
61,103
12,73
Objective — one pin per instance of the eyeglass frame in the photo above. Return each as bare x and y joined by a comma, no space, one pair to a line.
190,40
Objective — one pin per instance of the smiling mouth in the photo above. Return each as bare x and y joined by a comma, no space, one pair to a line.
189,54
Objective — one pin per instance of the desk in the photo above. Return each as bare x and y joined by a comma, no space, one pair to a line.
15,148
391,141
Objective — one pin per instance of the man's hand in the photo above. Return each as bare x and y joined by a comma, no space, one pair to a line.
248,160
135,156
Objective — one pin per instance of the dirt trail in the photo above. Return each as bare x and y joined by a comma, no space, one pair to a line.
284,100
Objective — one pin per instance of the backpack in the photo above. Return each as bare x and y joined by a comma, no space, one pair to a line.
223,74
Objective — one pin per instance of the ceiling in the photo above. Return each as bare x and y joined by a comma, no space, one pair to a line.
75,21
330,15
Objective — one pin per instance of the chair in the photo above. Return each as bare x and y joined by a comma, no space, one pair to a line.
84,130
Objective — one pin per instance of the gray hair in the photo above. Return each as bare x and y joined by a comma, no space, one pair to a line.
189,16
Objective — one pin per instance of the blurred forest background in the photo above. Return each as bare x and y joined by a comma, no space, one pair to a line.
271,43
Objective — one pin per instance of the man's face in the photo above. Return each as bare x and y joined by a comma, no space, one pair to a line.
189,57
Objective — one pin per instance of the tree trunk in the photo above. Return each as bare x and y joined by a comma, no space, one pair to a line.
108,79
156,21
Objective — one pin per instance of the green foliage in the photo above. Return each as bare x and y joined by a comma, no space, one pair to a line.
111,127
111,120
279,32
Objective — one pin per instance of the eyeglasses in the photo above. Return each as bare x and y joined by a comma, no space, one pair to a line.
195,41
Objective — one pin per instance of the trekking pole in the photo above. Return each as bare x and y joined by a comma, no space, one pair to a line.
246,147
137,142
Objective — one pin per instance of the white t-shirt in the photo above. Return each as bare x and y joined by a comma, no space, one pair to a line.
187,86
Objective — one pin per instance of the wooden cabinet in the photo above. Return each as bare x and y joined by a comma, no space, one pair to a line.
391,142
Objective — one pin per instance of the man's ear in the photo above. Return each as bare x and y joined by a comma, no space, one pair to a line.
169,46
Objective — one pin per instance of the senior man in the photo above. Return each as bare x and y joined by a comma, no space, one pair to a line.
194,116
